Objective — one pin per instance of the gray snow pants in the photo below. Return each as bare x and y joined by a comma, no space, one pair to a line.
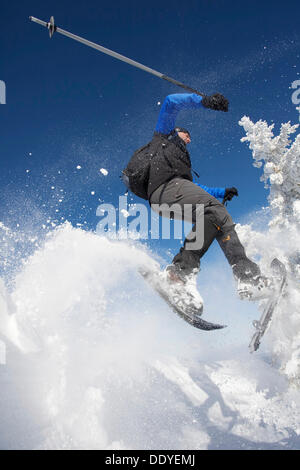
210,221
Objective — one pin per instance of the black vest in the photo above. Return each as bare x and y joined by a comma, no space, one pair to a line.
168,161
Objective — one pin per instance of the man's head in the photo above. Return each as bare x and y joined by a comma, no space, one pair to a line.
183,134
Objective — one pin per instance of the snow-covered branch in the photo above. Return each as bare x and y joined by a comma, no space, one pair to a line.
279,158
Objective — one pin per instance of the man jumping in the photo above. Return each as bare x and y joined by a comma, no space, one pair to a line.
161,172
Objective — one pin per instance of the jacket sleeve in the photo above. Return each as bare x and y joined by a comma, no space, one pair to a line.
218,193
171,107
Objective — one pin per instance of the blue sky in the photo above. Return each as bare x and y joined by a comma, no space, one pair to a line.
68,105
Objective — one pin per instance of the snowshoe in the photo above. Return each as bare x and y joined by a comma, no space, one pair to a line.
261,325
180,294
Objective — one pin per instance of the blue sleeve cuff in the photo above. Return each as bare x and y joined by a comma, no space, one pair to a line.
218,193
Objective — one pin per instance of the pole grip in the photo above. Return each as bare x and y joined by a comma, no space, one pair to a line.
225,200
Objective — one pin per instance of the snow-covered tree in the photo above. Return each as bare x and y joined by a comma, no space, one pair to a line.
279,158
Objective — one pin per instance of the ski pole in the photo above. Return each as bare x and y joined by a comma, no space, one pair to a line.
53,28
225,200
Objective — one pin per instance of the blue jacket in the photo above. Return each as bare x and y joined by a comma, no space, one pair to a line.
167,119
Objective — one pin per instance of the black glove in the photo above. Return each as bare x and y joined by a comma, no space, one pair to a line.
229,193
217,102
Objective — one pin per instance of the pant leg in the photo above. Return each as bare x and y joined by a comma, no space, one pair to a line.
243,268
181,193
217,224
188,260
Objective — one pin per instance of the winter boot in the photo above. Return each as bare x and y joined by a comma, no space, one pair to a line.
251,284
183,288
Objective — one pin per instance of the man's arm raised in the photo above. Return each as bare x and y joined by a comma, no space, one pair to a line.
178,101
171,107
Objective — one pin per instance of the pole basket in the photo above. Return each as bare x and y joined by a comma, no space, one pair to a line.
51,26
